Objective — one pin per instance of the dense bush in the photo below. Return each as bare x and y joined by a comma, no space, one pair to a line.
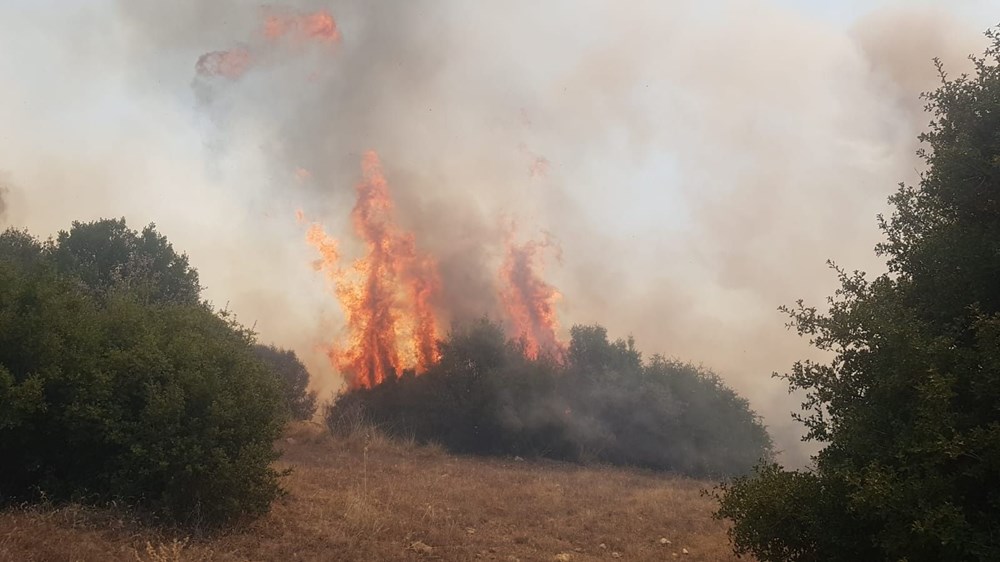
910,404
106,256
287,368
601,404
141,396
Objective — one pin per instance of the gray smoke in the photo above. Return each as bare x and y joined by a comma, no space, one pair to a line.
697,163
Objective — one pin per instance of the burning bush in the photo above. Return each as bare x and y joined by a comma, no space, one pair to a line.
116,384
600,403
480,391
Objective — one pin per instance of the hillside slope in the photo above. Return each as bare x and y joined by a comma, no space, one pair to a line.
365,498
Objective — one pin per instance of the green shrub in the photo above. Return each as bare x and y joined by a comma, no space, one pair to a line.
110,396
287,368
106,256
793,516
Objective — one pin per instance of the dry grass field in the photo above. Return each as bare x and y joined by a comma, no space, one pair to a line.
365,498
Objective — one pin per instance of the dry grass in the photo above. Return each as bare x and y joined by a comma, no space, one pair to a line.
363,497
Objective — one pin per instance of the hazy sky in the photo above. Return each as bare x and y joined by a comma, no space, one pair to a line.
704,159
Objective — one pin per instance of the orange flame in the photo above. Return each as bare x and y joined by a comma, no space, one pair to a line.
234,63
530,302
325,245
317,25
386,296
228,64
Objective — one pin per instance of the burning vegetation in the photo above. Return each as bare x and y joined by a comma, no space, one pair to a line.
507,382
393,296
510,386
392,300
600,403
386,295
504,379
529,302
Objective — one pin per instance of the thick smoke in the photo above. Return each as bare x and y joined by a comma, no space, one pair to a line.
695,163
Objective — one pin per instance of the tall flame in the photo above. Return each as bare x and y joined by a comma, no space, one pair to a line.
390,296
387,296
530,302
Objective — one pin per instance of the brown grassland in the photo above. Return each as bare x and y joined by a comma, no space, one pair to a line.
367,498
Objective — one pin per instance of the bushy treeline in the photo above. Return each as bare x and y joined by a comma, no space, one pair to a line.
118,384
602,404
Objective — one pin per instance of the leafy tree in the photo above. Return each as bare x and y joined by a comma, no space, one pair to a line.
112,397
286,366
590,350
910,404
107,256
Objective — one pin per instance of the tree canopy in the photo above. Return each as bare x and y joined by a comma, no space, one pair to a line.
910,404
118,384
107,256
294,378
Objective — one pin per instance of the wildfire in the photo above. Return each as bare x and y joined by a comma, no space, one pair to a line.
530,302
325,245
391,296
387,295
298,27
317,25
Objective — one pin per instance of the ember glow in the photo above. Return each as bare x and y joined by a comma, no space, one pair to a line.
318,25
387,296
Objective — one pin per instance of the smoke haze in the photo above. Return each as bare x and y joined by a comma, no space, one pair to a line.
696,163
4,193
